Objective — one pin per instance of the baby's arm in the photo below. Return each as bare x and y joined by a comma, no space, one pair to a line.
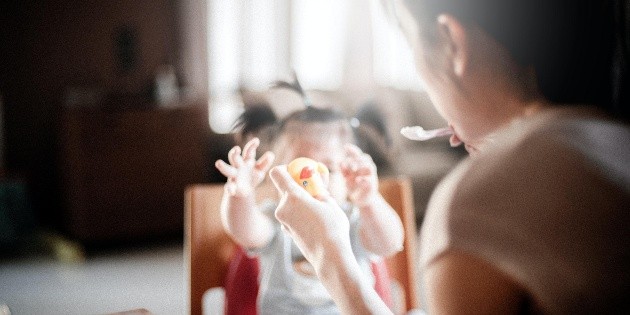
240,216
380,228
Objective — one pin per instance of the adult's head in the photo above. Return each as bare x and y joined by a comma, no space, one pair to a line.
487,61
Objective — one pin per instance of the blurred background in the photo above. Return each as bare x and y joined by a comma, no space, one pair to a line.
109,109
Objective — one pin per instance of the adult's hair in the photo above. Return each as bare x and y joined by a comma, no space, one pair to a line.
578,48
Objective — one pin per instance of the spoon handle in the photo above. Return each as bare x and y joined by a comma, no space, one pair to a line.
418,133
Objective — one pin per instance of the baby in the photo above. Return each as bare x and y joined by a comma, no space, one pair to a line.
288,284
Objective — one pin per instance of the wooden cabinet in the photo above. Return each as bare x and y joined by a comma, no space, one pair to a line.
124,172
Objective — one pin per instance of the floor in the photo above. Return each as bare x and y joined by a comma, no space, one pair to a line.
107,281
110,281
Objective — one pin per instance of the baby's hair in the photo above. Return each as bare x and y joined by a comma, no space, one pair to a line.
312,114
372,136
253,121
260,121
295,87
261,117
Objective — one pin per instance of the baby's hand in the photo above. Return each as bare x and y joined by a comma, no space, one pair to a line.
244,172
361,178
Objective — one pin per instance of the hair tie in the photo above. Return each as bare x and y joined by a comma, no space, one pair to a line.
296,87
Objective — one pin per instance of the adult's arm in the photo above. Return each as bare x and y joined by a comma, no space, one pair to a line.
459,283
321,230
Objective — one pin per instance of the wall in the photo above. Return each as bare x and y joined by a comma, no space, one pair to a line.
48,46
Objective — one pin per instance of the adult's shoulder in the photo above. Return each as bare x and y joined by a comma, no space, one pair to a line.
549,153
538,173
548,196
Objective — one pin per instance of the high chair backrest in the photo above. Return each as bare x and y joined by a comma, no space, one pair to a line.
208,249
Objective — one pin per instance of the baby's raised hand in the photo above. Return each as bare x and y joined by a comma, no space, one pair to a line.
360,173
244,172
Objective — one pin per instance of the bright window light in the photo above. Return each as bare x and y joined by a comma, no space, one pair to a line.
252,43
259,45
393,59
225,111
223,45
224,50
243,38
318,42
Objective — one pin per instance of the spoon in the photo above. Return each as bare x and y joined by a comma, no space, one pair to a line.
418,133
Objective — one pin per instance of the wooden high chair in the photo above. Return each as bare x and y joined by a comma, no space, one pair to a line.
208,249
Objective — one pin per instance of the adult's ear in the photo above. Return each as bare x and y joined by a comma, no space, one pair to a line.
456,42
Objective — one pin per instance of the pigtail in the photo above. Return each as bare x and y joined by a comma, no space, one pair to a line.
370,115
372,136
296,87
256,121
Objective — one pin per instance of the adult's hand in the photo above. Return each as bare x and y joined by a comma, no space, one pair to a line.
321,230
318,226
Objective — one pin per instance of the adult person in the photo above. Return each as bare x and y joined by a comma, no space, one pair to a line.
536,219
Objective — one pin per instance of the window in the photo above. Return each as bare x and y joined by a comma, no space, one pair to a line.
318,38
252,43
223,62
393,58
246,46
